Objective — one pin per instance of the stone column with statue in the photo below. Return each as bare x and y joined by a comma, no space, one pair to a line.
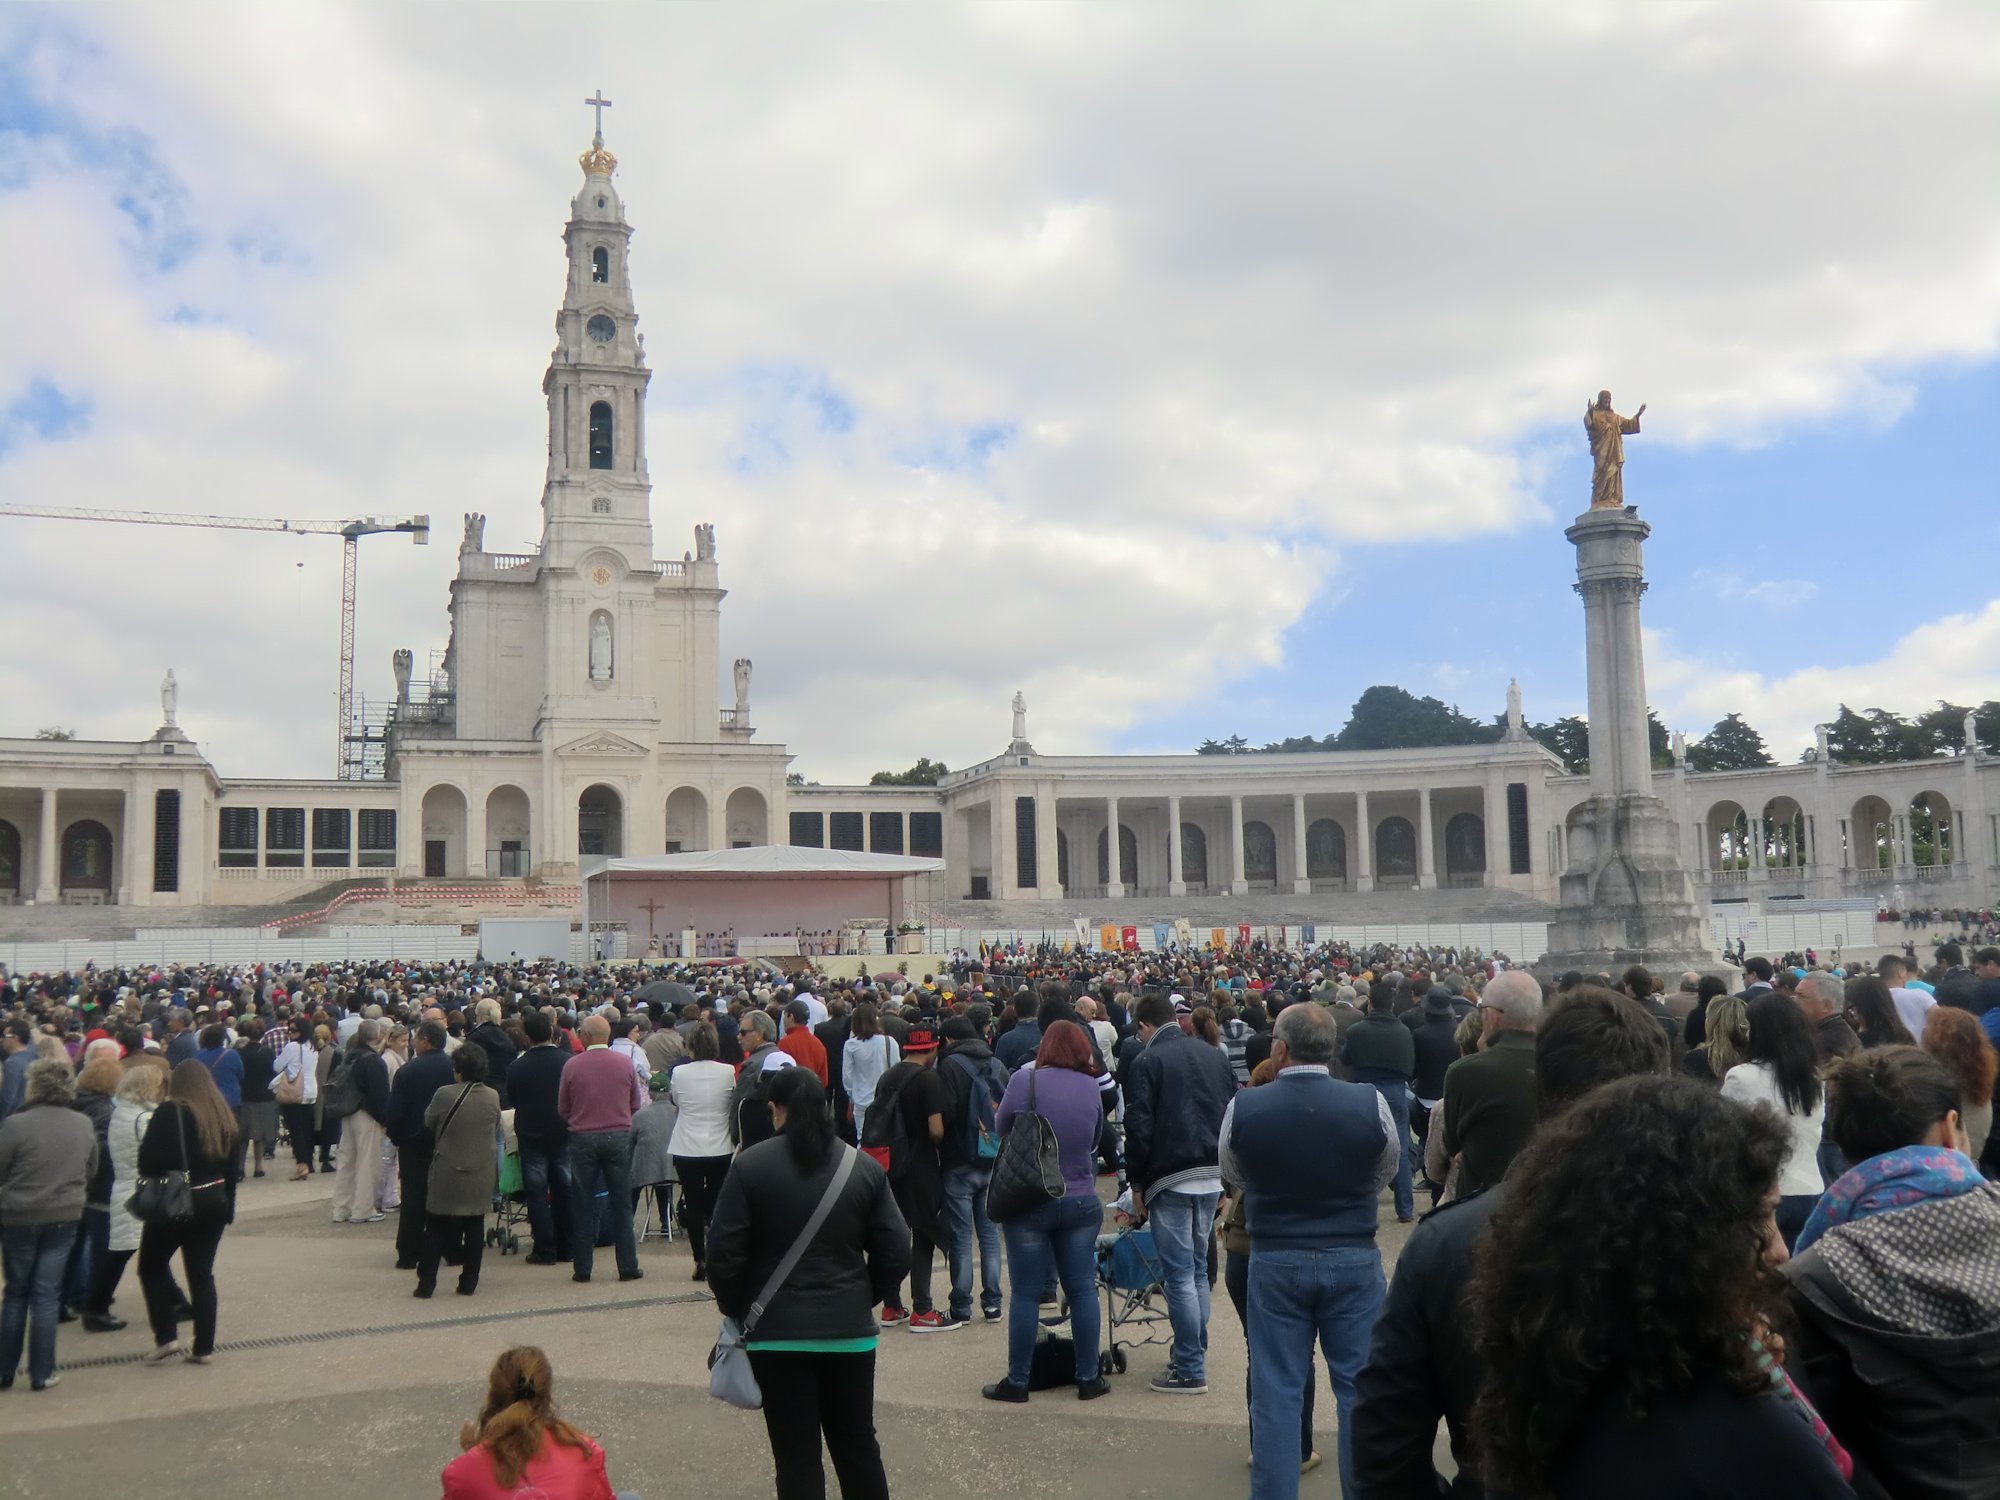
1626,896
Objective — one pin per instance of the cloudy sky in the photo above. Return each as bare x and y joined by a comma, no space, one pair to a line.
1187,367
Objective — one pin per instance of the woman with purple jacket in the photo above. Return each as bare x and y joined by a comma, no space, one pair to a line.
1058,1087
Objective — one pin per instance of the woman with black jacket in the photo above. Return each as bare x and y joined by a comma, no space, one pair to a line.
194,1132
813,1349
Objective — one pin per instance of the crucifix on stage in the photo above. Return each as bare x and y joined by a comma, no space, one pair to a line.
650,907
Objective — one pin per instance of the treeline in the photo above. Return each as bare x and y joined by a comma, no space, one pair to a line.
1389,718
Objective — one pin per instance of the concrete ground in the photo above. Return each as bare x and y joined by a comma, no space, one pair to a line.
333,1381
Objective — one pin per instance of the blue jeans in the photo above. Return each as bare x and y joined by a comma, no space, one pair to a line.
601,1159
1062,1234
1398,1095
546,1186
1297,1297
1182,1225
965,1202
91,1245
34,1257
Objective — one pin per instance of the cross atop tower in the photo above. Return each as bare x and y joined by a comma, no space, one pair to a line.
599,104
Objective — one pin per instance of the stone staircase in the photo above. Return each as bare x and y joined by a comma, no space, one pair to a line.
1374,908
54,924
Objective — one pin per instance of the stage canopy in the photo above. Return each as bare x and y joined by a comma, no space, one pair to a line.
764,895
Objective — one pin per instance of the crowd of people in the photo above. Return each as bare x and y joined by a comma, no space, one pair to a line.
1683,1237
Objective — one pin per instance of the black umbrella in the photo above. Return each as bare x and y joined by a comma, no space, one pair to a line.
668,992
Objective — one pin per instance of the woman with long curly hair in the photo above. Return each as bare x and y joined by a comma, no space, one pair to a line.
1623,1302
1872,1013
1958,1041
518,1445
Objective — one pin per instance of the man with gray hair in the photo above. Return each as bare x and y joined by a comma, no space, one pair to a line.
1315,1271
1822,999
1489,1098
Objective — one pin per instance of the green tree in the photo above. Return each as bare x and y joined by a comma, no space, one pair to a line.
795,778
1234,745
1658,742
1389,718
924,773
1731,745
55,732
1569,738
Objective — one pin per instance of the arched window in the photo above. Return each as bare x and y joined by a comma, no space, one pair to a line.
86,857
1326,851
1395,849
600,265
1194,854
600,434
1260,852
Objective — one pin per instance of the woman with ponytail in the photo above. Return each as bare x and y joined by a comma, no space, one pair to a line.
518,1445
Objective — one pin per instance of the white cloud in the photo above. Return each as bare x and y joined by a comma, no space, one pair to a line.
1952,660
1248,285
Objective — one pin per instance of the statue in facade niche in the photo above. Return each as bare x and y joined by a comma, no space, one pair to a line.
475,533
600,648
401,663
1607,432
742,689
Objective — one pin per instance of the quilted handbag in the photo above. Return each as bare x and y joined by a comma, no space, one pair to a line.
169,1197
1028,1171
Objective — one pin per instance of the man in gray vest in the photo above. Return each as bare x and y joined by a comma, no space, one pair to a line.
1315,1273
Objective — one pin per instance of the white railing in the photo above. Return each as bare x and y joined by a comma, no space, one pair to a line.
500,560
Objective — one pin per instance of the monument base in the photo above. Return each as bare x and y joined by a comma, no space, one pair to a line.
1626,898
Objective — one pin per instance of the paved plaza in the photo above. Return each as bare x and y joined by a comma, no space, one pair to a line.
333,1381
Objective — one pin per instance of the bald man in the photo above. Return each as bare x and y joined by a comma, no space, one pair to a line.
599,1095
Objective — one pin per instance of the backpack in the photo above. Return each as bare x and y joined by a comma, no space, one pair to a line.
342,1095
882,1134
977,1089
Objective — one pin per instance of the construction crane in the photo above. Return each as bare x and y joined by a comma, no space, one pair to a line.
347,767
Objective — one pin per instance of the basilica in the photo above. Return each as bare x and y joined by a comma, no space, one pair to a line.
583,706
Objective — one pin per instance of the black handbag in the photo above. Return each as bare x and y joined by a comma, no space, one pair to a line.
1028,1171
169,1197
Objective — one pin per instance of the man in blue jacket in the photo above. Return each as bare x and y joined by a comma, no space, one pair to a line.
1315,1272
1176,1090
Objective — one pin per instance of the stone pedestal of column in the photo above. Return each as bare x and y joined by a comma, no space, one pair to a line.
1625,897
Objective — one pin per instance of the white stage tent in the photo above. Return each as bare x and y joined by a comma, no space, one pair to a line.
762,894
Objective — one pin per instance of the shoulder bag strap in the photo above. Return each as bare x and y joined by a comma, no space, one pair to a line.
784,1269
180,1128
451,1114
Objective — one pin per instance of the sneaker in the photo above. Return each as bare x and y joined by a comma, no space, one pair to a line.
1171,1384
1090,1390
934,1322
894,1315
50,1384
993,1315
375,1218
161,1353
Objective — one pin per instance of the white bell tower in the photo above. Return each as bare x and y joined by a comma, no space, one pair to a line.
597,494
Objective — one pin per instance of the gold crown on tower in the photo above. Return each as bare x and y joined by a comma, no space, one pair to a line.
597,162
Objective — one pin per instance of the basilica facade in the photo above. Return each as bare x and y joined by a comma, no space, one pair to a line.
582,707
